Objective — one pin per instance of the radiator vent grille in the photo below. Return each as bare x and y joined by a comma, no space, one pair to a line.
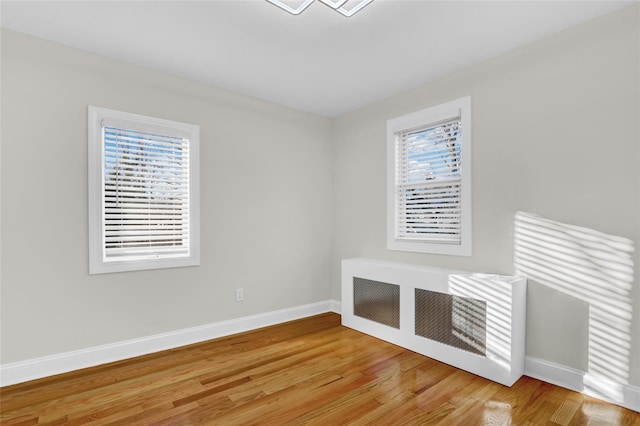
456,321
377,301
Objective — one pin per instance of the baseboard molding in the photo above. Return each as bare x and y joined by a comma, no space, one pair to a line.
37,368
556,374
625,395
336,306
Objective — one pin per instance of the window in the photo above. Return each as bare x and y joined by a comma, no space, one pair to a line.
429,180
143,192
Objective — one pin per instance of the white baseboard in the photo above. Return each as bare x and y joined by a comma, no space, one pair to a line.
553,373
336,306
625,395
18,372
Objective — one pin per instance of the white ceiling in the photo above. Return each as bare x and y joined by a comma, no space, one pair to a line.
318,61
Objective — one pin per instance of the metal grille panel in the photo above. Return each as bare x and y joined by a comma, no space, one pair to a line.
377,301
456,321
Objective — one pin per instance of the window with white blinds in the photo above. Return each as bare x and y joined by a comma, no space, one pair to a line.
143,192
429,180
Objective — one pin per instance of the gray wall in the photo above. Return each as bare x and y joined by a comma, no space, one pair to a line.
555,133
265,204
287,195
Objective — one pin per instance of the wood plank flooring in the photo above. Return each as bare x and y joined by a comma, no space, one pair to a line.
310,371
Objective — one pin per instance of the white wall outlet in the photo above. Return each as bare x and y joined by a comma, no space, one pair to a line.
239,295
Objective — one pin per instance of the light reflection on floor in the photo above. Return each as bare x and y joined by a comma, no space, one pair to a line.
497,413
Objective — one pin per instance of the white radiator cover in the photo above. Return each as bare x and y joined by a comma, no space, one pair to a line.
503,297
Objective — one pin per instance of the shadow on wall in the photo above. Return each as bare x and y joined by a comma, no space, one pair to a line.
596,268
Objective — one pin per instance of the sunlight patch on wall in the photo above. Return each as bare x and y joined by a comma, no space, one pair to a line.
596,268
497,316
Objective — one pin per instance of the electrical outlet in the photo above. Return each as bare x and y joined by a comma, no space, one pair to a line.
239,295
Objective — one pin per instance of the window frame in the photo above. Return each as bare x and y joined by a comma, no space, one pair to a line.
431,116
98,264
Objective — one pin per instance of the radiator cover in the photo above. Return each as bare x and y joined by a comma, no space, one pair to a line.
475,322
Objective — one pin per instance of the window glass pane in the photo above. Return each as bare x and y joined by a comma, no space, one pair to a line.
146,194
429,183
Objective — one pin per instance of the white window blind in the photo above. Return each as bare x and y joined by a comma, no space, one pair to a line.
146,194
429,180
429,183
143,192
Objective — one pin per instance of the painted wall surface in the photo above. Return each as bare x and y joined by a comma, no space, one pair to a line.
265,204
286,195
555,133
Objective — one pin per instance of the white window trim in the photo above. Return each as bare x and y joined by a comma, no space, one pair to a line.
459,107
97,264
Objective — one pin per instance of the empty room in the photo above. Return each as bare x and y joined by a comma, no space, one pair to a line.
332,212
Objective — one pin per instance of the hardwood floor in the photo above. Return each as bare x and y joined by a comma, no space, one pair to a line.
311,371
